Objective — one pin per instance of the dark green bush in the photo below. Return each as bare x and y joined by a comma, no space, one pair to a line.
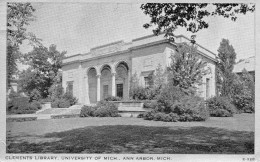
21,105
141,115
168,96
244,101
65,101
174,117
150,103
220,106
36,105
55,104
191,108
113,98
69,97
103,109
158,116
87,111
149,115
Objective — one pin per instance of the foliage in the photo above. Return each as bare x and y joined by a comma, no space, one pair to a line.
21,105
187,108
44,66
149,103
220,107
244,93
225,66
168,96
156,81
69,97
87,111
186,69
166,17
103,109
113,98
190,108
19,15
160,77
65,101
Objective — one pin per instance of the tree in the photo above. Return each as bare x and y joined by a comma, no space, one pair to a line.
19,15
225,65
44,66
187,68
160,77
166,17
243,94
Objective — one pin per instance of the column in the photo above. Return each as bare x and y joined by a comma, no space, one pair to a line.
98,87
113,84
80,84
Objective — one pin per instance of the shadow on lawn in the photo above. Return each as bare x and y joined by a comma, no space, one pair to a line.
138,139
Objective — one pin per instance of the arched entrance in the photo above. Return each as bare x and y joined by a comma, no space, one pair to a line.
92,85
105,82
122,80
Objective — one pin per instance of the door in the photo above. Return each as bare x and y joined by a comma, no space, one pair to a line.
105,91
119,90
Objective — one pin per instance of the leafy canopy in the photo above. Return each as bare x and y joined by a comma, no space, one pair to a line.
166,17
19,16
43,72
187,68
225,66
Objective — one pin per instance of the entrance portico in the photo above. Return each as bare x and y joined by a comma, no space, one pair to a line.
107,80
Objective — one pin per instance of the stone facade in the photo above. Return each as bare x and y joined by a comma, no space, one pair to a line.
106,70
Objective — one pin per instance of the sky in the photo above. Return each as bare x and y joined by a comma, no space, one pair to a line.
77,27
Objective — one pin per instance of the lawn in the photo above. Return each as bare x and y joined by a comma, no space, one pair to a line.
113,135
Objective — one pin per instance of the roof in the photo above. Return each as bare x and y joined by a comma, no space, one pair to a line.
248,64
121,47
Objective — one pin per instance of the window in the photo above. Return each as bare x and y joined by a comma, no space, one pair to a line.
146,82
69,87
105,91
119,90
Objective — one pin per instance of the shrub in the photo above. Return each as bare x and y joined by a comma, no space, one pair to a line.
149,115
167,118
158,116
191,108
220,106
113,98
174,117
168,96
87,111
140,115
55,104
65,101
150,103
21,105
103,109
36,105
69,97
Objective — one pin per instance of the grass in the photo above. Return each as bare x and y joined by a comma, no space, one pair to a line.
136,139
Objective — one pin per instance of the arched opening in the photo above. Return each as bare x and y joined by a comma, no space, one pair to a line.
92,85
122,80
105,82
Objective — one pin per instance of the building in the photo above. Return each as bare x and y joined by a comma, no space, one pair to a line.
248,64
107,69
